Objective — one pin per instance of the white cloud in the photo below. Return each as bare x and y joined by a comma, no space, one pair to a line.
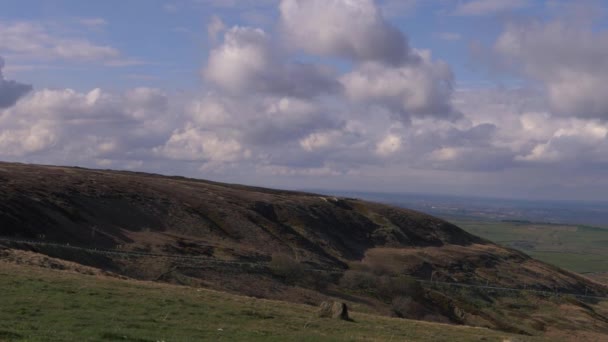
320,140
569,59
26,140
353,29
488,7
422,88
577,141
386,72
244,55
39,41
389,145
192,144
85,125
246,63
266,115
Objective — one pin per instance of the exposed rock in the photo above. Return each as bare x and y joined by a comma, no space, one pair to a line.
334,310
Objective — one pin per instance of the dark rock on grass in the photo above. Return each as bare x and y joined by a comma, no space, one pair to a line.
336,310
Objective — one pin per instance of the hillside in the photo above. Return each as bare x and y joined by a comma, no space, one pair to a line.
145,311
290,246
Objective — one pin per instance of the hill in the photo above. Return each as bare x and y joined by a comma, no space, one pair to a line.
68,306
284,245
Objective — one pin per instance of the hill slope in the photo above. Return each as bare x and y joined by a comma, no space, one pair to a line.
60,305
341,247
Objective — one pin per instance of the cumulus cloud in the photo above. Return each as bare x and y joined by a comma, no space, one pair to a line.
86,126
423,88
355,30
247,62
289,137
388,145
27,140
579,141
320,140
387,111
281,113
524,125
570,59
11,91
272,113
193,144
387,71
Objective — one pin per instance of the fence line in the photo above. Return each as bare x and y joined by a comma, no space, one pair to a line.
261,264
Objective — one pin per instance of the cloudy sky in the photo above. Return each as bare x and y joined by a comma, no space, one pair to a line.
501,98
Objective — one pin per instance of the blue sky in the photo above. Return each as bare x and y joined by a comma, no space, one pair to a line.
168,41
482,97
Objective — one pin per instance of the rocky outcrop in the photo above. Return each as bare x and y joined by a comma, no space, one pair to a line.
337,310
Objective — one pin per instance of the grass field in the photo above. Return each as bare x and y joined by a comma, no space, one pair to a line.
576,248
39,304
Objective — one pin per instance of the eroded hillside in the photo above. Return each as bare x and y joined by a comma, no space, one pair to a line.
233,238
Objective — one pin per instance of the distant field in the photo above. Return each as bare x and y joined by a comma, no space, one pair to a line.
48,305
575,248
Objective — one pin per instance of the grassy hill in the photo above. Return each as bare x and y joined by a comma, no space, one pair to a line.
49,305
290,246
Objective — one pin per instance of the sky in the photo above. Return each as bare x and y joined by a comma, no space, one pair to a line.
495,98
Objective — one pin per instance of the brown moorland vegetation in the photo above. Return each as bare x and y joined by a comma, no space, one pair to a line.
285,245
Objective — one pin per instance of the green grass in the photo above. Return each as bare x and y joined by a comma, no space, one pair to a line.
575,248
45,305
577,262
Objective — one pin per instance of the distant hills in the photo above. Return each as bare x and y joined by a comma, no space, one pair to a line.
539,211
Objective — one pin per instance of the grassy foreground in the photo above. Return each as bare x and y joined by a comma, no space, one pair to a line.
38,304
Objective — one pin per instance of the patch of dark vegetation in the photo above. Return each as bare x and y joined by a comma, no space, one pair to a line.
295,273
